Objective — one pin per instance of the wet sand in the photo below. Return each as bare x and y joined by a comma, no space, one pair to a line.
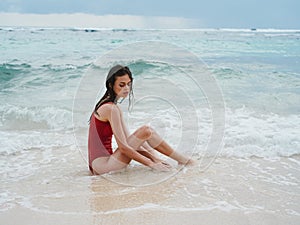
230,191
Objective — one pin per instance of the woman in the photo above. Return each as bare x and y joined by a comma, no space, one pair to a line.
106,120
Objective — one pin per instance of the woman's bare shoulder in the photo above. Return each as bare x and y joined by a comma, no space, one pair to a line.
107,108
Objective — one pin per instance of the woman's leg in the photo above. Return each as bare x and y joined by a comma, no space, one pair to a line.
146,133
118,160
111,163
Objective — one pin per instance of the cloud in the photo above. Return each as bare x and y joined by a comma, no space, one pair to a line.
83,20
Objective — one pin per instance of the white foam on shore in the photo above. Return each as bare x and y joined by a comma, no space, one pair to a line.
247,133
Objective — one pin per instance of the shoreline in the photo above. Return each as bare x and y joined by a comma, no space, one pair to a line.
255,191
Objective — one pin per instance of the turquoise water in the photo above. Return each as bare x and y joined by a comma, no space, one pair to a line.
258,73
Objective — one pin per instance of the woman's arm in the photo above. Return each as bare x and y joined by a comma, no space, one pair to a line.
115,119
145,148
125,129
149,149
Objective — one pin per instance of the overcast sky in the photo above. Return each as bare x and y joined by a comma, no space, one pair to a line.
278,14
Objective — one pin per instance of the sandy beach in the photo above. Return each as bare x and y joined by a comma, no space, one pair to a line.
230,191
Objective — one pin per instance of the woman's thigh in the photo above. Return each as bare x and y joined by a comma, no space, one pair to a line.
117,161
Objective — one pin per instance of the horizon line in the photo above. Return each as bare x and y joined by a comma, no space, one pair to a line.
114,21
95,29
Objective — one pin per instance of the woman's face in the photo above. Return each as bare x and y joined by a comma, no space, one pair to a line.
122,86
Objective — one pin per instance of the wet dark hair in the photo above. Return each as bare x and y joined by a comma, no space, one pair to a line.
110,95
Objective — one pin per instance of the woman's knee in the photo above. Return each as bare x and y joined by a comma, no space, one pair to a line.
144,132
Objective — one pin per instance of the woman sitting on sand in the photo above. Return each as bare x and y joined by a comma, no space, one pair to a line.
106,120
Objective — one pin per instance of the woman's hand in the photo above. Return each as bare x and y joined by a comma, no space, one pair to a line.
161,166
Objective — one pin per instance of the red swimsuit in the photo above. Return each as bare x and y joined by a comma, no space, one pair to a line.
99,142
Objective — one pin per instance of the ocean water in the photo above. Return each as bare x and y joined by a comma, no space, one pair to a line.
226,94
257,72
